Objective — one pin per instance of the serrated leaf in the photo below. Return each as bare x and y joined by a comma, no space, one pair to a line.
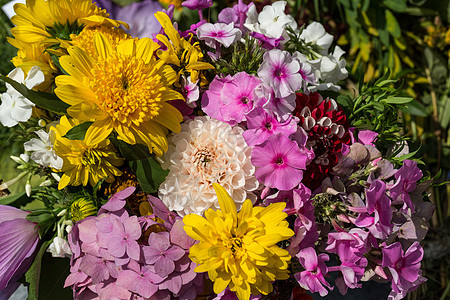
33,274
78,132
43,100
397,100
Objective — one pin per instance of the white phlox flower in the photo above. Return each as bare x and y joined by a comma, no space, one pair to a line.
42,150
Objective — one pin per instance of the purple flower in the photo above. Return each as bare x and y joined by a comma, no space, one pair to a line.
213,34
123,238
229,99
404,266
197,4
236,14
117,201
265,97
139,15
262,125
407,177
379,204
313,278
280,71
162,254
279,162
18,240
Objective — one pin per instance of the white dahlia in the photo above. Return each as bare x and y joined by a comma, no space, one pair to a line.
206,151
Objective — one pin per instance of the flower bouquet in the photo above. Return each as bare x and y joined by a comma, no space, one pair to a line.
222,161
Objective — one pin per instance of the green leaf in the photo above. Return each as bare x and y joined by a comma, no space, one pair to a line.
78,132
32,276
395,5
17,200
397,100
392,25
148,171
415,108
44,218
378,106
43,100
445,114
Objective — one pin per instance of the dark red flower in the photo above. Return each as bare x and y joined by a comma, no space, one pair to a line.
327,128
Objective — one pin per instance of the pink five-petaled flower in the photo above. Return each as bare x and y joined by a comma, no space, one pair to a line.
404,266
262,125
162,254
123,238
224,34
197,4
312,278
279,162
280,71
407,177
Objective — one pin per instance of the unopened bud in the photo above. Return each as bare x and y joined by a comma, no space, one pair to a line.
16,159
62,213
42,123
56,176
28,189
48,182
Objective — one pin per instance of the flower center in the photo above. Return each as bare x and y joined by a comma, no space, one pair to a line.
244,100
236,244
127,89
268,126
204,156
91,157
279,161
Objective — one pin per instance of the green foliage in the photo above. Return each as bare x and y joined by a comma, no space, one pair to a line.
243,57
64,31
144,165
78,132
32,276
375,108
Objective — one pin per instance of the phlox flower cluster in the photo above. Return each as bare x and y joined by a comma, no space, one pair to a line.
113,257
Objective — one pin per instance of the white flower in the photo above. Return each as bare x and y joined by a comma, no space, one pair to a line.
16,108
42,149
59,248
271,22
315,34
330,70
190,91
206,151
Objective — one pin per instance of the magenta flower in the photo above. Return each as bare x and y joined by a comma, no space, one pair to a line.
313,278
280,71
162,254
404,266
123,238
229,99
18,241
197,4
407,177
262,125
213,34
190,91
279,162
265,98
236,14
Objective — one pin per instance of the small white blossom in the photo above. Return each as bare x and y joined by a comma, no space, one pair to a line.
315,34
16,108
42,150
330,70
59,248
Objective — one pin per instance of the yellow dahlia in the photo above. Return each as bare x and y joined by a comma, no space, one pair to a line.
180,52
40,20
84,162
124,88
239,250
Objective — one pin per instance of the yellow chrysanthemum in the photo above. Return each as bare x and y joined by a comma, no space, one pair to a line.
83,161
180,52
40,20
239,249
124,89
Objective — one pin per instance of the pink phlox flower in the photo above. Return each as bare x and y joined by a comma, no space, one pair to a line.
352,241
403,266
162,254
229,99
280,71
139,280
279,162
123,238
236,14
303,205
312,278
267,42
224,34
265,98
378,204
190,91
407,177
367,137
262,125
197,4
